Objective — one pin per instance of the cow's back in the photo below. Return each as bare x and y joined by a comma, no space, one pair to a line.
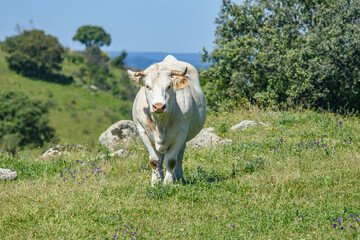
193,93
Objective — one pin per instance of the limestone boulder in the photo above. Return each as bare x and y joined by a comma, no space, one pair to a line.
246,124
207,137
7,174
94,88
62,149
119,135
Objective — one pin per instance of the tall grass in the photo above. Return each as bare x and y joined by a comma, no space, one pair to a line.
297,178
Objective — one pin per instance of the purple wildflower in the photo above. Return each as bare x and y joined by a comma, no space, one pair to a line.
334,225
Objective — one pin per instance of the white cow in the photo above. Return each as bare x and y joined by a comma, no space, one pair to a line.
168,111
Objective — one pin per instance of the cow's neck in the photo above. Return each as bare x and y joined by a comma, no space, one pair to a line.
161,121
161,124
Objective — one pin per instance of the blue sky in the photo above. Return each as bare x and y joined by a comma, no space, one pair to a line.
134,25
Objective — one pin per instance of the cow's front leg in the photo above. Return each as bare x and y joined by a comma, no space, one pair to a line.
171,157
156,158
156,162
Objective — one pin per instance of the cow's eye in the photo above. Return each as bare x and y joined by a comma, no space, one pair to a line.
148,87
169,86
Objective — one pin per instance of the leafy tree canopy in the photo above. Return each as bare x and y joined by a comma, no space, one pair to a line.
119,60
23,121
286,52
92,36
33,53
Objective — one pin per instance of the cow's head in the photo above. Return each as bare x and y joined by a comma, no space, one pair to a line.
160,84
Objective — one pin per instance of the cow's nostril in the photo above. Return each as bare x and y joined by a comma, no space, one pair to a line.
159,107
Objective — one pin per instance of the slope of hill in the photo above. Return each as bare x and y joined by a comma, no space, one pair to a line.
77,113
296,178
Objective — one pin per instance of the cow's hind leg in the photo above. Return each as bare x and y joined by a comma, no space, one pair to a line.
171,157
178,170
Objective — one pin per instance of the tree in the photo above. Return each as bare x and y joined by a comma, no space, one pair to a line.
23,121
92,36
97,67
286,52
32,53
119,60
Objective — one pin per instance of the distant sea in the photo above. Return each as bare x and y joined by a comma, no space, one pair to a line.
142,60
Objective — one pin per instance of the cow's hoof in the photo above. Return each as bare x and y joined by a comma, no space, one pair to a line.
168,180
156,182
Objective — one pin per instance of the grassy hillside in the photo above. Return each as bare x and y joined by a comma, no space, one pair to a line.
297,178
78,114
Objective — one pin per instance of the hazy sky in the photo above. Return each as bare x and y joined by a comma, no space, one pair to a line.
134,25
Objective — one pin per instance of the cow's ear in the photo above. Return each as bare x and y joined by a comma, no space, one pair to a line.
137,77
179,82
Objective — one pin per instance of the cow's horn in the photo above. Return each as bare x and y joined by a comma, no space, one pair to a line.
179,73
139,74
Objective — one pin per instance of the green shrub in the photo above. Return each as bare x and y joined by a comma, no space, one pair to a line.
286,53
23,122
34,54
74,58
119,60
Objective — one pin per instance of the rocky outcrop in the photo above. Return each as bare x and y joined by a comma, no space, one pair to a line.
119,135
246,124
62,149
94,88
206,138
7,174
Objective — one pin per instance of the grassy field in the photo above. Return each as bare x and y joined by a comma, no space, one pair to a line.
297,178
78,114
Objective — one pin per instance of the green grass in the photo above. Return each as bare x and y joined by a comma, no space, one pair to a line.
78,114
244,190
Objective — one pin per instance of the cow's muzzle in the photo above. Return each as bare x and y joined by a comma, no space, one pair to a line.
159,107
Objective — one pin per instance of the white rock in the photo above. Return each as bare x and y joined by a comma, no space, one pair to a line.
226,141
120,152
246,124
119,135
93,87
7,174
206,138
62,149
